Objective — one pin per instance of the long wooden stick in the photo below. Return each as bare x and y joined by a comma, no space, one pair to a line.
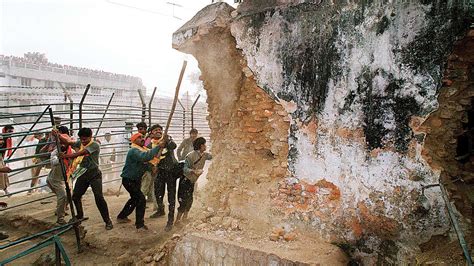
175,100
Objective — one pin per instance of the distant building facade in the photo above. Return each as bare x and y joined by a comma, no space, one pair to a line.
32,79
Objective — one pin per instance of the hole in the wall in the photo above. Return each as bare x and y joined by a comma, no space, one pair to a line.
449,136
464,149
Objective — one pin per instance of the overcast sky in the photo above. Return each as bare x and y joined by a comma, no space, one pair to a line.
121,36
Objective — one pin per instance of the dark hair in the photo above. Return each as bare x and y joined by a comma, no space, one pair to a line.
7,127
63,130
155,127
85,132
141,124
193,131
198,142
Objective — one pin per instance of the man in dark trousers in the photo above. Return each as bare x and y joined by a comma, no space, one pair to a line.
86,169
132,173
193,168
166,177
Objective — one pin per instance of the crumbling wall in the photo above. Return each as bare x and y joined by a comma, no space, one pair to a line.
355,79
249,130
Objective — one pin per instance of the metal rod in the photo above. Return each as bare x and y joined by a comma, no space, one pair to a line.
26,146
57,254
28,179
192,110
81,103
71,106
26,203
66,183
103,116
19,241
149,106
457,228
31,128
142,99
184,118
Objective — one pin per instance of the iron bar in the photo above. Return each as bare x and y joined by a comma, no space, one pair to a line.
64,174
23,190
30,166
26,203
103,116
31,128
184,118
192,110
28,179
149,106
457,228
81,103
142,99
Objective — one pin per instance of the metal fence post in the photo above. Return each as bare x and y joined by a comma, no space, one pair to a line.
149,106
58,254
184,119
103,116
80,104
192,110
142,99
71,107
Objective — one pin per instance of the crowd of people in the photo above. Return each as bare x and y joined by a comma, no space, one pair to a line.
40,59
150,169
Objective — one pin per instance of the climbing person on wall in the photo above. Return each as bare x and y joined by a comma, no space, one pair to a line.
166,178
133,170
187,145
85,169
193,168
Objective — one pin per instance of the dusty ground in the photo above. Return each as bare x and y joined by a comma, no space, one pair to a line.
124,244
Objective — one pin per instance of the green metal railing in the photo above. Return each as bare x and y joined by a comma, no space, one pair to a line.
55,240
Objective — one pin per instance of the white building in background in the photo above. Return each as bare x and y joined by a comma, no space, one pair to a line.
32,79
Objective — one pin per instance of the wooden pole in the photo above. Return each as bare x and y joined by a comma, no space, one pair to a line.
173,107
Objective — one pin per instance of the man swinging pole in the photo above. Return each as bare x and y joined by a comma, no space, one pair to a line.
166,176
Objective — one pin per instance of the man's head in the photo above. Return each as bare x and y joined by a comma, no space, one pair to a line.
199,144
85,135
156,131
193,133
8,129
63,130
137,139
108,136
141,127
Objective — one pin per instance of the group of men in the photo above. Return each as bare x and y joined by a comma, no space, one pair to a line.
151,168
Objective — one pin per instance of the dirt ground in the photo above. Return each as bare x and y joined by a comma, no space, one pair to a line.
124,245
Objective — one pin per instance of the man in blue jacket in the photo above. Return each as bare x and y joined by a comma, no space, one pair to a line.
133,170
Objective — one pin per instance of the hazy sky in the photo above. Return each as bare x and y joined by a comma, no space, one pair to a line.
102,34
